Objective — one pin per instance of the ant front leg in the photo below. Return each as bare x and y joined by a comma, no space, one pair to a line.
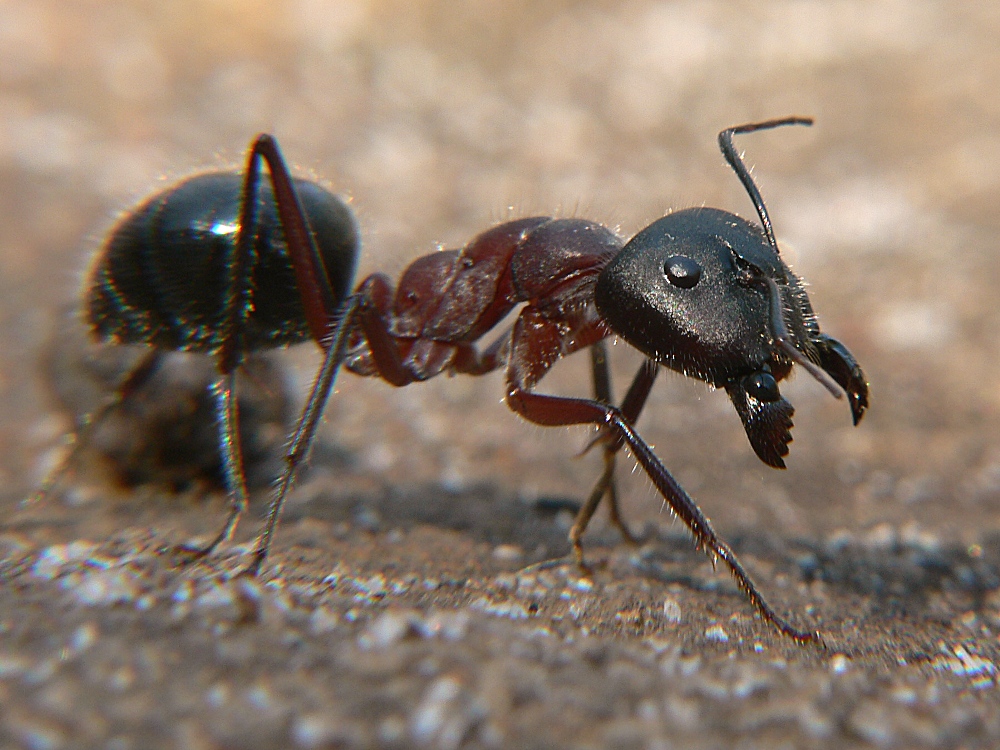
224,390
631,407
535,346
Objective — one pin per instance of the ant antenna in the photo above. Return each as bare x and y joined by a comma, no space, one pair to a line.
736,162
781,336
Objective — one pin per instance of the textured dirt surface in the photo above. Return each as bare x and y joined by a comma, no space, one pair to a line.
395,611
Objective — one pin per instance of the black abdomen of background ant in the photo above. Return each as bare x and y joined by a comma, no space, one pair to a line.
162,276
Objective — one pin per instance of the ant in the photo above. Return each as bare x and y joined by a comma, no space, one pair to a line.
229,264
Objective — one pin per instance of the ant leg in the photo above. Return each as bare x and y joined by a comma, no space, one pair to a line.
311,278
306,430
631,408
605,484
320,309
229,357
227,410
313,286
601,372
365,309
533,340
560,411
136,378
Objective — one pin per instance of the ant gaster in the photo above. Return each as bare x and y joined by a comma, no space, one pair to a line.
227,264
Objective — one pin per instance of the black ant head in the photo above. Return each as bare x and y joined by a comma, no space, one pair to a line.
687,291
703,292
706,293
690,292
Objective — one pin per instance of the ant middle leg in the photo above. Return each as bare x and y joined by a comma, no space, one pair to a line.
606,484
366,311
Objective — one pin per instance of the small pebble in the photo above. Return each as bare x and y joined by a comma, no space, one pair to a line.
672,611
432,717
53,560
83,638
322,620
451,626
870,723
215,596
322,730
506,581
963,663
508,553
717,633
513,610
389,628
839,663
106,587
881,537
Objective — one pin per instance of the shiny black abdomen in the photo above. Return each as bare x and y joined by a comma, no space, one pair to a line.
161,278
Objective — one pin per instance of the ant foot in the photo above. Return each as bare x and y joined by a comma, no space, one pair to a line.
191,553
253,569
186,554
574,560
586,571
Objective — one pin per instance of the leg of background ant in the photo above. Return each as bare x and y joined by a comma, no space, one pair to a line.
311,279
359,310
136,378
557,411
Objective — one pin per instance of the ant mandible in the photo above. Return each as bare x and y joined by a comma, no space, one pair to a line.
227,264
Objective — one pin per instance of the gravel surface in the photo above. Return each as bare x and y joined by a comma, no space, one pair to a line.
397,609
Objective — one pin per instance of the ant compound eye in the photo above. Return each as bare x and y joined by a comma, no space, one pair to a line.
762,386
747,274
682,271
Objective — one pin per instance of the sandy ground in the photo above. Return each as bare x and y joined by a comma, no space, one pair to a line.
395,611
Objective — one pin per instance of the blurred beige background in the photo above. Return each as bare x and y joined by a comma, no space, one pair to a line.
439,119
